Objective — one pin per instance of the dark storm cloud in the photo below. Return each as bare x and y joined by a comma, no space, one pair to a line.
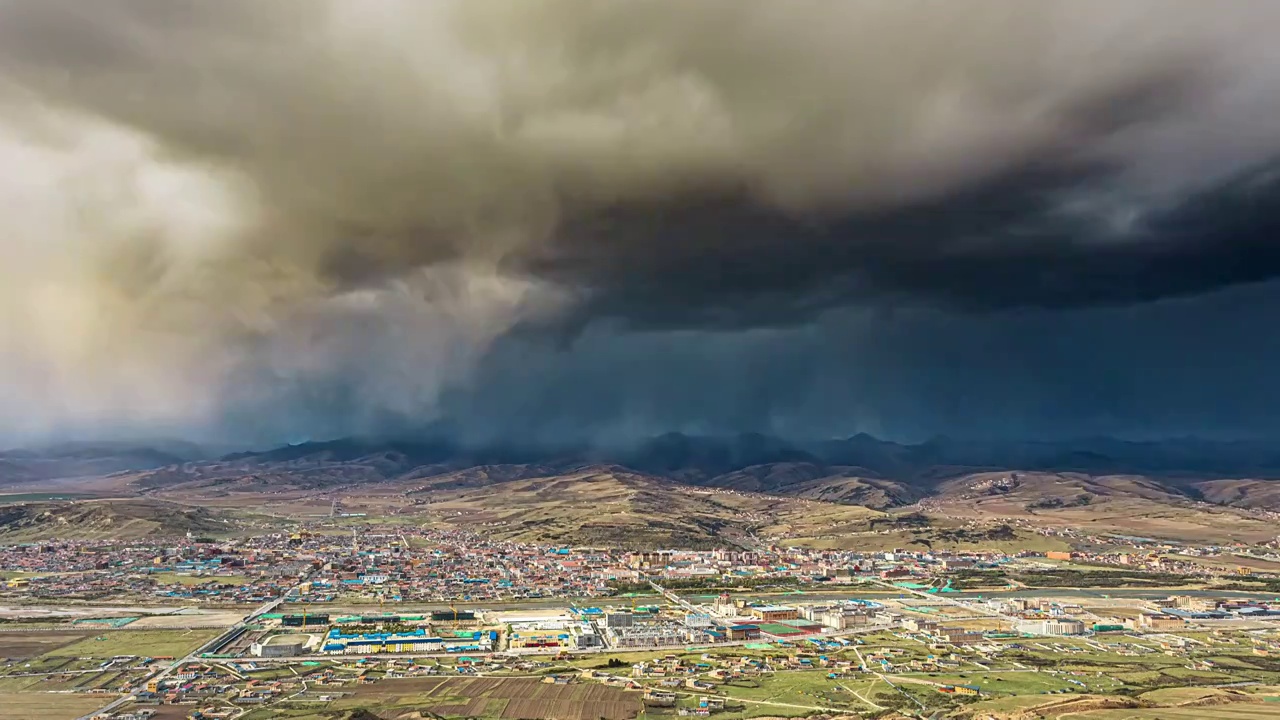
1200,366
335,208
1011,243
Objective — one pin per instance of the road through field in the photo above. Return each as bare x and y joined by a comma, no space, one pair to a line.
194,655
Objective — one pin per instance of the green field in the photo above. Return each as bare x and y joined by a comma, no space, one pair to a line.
146,643
42,496
799,687
11,574
171,578
1238,711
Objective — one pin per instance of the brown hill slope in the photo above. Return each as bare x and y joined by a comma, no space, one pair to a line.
608,505
1112,504
1244,493
122,519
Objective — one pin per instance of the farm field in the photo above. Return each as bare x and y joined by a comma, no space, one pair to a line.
162,712
48,706
800,688
203,619
29,644
147,643
508,698
172,578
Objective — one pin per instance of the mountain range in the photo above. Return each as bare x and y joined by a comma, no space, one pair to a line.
686,489
693,458
860,469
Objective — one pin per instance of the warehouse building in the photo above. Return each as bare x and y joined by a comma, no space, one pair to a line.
563,634
339,643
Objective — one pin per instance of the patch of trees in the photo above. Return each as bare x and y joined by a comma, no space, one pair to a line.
1080,500
1101,579
972,579
1000,532
708,583
1268,585
909,520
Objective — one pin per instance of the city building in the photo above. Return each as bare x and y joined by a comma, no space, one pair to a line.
775,613
1051,626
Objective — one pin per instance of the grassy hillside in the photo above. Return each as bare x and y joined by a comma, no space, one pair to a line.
615,506
122,519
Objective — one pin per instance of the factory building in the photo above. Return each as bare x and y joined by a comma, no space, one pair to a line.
304,620
339,643
565,634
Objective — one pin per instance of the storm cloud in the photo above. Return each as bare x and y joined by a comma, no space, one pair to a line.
326,216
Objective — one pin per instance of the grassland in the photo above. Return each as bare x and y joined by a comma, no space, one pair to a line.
509,698
42,496
47,706
172,578
603,506
111,519
146,643
1269,711
1169,704
15,574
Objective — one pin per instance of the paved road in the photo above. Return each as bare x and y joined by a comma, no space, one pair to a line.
671,596
194,656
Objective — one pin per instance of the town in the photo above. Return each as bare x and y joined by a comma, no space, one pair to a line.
327,617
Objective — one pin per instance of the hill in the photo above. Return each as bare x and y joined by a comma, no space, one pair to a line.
691,490
1098,505
114,519
837,484
614,506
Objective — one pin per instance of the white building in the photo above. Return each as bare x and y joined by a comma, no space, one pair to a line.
1052,626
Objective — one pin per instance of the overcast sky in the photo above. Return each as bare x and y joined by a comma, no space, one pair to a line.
253,221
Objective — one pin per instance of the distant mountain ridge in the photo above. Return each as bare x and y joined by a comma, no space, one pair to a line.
1186,457
693,459
684,489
